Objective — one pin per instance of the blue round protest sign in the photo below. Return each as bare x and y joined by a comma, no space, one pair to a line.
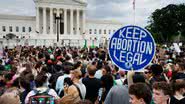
132,48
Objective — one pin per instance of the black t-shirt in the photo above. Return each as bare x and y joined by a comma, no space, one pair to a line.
92,87
23,96
173,100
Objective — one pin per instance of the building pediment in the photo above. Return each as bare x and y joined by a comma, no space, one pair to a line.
69,2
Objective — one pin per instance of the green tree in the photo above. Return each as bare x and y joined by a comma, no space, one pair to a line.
168,22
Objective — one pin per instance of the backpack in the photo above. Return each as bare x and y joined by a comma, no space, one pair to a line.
42,98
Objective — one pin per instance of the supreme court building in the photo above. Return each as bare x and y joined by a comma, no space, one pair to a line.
63,18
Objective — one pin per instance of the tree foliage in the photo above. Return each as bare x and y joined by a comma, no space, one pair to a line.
167,23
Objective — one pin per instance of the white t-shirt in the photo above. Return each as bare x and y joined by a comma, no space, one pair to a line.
120,81
82,88
98,74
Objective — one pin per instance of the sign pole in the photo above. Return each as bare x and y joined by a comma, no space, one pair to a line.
134,6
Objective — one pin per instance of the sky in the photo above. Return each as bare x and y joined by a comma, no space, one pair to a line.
114,10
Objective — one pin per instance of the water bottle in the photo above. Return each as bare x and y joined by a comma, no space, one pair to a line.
52,100
33,101
41,101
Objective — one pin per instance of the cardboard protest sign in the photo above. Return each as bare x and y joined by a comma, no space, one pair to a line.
132,47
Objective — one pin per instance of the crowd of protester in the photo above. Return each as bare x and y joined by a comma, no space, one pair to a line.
87,76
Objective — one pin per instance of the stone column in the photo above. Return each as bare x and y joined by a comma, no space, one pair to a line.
65,21
44,20
58,14
71,22
51,20
37,20
77,22
83,21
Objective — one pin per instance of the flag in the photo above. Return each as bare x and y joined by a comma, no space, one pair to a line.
85,45
134,2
